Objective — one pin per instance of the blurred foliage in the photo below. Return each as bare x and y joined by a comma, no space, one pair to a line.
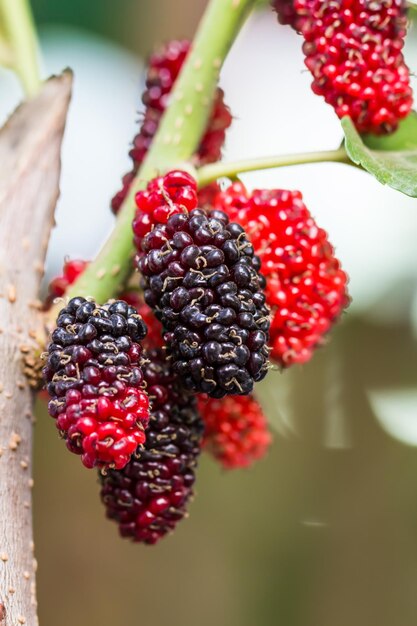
137,24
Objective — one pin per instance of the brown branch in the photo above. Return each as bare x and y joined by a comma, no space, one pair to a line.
30,145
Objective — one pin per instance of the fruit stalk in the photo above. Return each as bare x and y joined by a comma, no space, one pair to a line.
213,171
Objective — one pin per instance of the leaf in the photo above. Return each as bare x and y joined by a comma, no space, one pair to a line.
404,138
392,159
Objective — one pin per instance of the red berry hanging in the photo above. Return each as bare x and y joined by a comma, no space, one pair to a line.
94,378
353,49
235,430
176,192
164,67
150,495
305,285
202,279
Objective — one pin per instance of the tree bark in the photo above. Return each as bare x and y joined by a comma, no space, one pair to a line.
30,145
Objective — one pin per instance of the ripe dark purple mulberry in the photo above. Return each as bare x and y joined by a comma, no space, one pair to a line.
74,268
94,378
149,496
202,279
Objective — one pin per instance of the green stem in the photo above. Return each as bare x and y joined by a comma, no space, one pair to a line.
19,28
179,133
192,98
209,173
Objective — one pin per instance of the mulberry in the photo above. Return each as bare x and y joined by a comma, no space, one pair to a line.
149,496
353,48
72,269
164,67
235,430
202,279
176,192
94,378
305,285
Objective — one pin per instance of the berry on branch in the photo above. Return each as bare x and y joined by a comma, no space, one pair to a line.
94,378
353,48
164,67
176,192
202,279
305,285
150,495
235,430
74,268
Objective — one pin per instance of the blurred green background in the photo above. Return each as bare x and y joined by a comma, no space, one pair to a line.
323,531
137,24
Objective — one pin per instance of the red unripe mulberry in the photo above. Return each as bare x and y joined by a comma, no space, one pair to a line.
235,430
306,287
354,50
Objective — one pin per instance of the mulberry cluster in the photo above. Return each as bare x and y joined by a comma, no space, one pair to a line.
149,496
164,67
235,430
353,48
94,378
202,279
305,285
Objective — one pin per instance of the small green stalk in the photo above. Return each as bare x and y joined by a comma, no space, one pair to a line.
19,32
179,133
209,173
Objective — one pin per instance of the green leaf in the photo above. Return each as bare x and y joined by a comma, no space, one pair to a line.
404,138
392,159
